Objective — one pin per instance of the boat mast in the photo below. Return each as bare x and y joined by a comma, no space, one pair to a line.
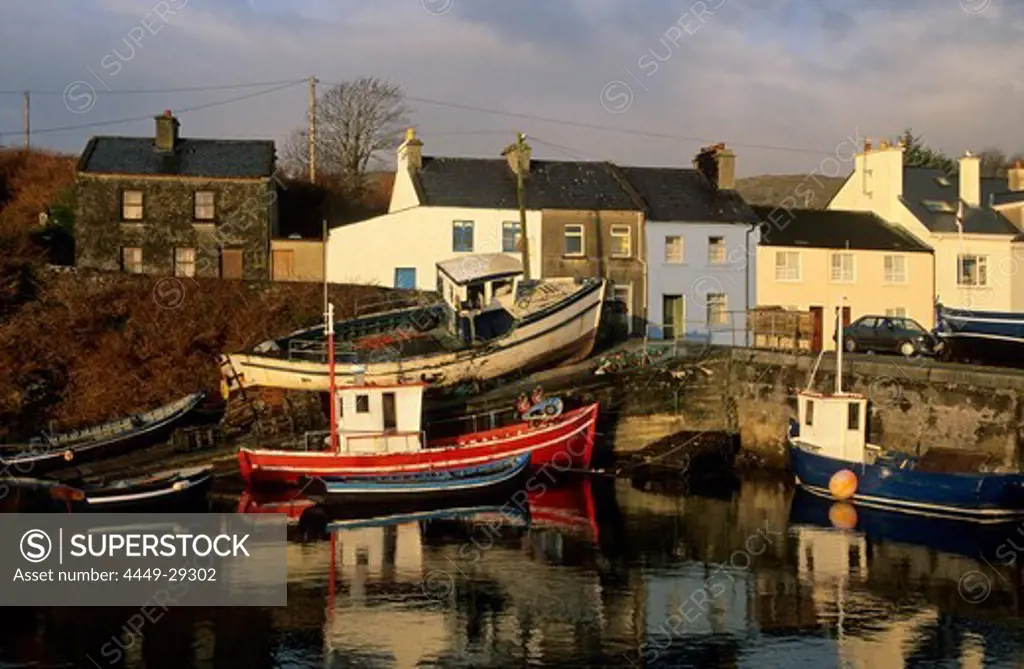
329,328
840,344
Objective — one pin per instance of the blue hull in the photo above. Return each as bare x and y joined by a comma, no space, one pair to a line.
985,336
968,539
988,498
440,483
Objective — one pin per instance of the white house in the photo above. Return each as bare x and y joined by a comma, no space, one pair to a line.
969,221
701,249
431,219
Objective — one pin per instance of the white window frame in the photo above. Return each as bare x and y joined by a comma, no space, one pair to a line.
789,274
133,266
183,266
724,313
132,210
204,207
842,278
889,274
618,233
714,258
516,236
896,312
669,259
628,288
981,263
579,231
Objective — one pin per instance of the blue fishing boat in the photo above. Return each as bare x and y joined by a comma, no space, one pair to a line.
831,457
994,337
442,483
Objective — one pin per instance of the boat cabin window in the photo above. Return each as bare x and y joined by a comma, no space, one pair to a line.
809,417
853,417
475,296
503,287
362,404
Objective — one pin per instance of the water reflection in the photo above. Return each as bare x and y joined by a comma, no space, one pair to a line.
600,574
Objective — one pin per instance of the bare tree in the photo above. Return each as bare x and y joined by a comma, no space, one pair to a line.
993,162
356,120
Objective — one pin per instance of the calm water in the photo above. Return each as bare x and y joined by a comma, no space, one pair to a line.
607,575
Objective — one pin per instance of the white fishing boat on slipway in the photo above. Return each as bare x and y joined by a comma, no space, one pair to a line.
488,322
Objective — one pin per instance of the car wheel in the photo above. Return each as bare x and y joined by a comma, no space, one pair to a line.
851,345
907,349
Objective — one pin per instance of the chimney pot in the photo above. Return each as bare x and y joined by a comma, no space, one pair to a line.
410,152
718,165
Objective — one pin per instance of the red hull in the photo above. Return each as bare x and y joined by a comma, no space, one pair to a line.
564,443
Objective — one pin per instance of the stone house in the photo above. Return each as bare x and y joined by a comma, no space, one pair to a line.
168,205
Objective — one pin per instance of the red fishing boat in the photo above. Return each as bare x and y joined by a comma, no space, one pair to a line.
377,432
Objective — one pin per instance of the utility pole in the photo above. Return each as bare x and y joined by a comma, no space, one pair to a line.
312,129
521,196
28,126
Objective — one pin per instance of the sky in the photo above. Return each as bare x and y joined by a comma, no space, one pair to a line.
788,84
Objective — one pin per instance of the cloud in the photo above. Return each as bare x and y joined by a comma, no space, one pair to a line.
791,73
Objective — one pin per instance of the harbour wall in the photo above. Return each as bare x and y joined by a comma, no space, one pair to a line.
914,405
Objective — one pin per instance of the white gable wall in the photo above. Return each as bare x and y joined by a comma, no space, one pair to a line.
368,252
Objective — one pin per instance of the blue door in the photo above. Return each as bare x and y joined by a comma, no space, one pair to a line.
405,277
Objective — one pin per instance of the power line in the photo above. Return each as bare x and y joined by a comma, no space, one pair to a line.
158,91
184,110
606,128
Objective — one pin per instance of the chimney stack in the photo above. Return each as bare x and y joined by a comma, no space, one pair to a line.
166,132
410,152
718,165
517,162
970,179
1015,177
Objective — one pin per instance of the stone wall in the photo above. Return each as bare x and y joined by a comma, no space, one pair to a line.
245,210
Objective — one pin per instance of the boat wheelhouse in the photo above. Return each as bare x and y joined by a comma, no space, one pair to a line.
485,322
831,457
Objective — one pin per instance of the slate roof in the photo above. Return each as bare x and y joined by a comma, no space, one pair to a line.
488,183
679,194
833,229
215,158
922,184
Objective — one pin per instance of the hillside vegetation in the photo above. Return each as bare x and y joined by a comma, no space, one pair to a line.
77,347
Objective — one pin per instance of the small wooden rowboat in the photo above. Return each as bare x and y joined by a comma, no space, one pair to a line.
173,489
435,484
56,451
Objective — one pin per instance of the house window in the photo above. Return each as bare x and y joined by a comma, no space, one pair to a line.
184,262
405,278
787,266
362,404
620,241
510,237
131,205
895,269
623,293
972,270
673,250
203,208
716,309
809,416
842,267
852,416
131,259
897,312
716,250
462,236
574,240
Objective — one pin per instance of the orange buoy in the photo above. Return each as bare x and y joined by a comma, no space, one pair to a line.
843,516
69,455
843,484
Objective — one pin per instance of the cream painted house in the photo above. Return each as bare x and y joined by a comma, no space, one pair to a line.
969,221
813,260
